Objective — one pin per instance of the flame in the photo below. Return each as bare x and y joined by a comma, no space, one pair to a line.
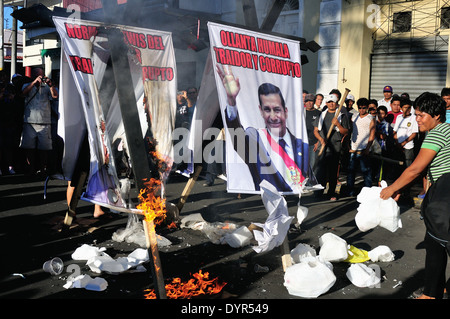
226,226
154,207
199,285
172,225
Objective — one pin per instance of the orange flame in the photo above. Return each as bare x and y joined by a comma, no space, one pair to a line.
199,285
153,206
172,225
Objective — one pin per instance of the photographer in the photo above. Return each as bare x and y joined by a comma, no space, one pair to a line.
36,135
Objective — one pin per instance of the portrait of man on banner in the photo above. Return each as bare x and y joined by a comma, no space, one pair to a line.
272,152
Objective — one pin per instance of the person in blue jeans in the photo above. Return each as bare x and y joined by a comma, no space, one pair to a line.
363,135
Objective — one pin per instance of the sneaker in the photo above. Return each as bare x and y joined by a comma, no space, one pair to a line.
11,170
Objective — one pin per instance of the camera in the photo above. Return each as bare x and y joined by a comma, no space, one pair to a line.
44,80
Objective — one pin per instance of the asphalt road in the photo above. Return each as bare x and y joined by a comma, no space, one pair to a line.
29,237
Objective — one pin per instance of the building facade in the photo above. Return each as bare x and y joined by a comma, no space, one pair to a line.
365,44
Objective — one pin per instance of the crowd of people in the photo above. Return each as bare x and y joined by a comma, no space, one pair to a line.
28,125
377,138
413,137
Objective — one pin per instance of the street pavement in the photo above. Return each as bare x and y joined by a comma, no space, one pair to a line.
29,236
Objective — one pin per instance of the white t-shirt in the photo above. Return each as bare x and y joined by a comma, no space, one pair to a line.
385,103
405,127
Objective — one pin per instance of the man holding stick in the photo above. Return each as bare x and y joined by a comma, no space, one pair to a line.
331,143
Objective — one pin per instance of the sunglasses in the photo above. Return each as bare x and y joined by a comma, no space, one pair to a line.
362,107
372,110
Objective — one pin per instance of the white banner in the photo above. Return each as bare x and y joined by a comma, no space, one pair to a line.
259,84
89,103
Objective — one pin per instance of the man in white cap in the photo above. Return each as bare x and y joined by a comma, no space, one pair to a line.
328,162
349,102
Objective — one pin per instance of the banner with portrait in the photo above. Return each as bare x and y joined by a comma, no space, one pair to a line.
89,104
259,85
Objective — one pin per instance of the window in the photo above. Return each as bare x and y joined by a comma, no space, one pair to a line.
445,18
402,21
291,5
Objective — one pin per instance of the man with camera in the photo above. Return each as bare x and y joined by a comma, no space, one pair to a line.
36,134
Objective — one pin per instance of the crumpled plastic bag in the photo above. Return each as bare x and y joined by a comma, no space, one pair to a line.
277,224
134,233
374,211
381,253
87,282
332,248
356,255
106,263
302,211
302,251
85,252
215,232
310,278
362,276
239,238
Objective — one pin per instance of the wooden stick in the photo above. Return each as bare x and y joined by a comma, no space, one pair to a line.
335,115
152,246
386,159
187,189
286,254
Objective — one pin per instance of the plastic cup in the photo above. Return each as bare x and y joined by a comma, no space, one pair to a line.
54,266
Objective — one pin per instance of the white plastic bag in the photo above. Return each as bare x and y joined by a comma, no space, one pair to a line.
302,251
302,213
381,253
374,211
332,248
85,252
362,276
309,278
239,238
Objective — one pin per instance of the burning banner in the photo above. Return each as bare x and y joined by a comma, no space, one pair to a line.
90,106
258,79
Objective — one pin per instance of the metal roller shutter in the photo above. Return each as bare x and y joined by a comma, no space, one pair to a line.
411,72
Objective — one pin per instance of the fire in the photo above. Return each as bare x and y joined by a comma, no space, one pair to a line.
199,285
154,207
172,225
227,226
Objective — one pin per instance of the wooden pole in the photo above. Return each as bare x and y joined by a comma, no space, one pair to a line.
152,246
335,115
130,118
187,189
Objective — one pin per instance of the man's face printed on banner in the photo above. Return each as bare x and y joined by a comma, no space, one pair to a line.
274,114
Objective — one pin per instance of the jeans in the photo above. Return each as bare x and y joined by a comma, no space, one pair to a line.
366,170
313,158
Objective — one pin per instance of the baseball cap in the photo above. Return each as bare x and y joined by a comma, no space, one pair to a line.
309,97
330,98
387,88
350,97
